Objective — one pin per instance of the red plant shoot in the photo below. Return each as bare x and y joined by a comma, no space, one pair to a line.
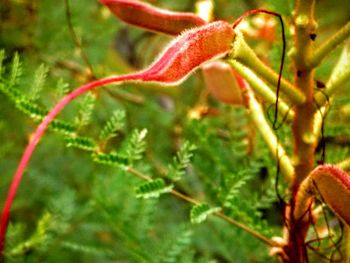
184,54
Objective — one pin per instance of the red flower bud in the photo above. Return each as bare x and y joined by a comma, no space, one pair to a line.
148,17
332,185
189,51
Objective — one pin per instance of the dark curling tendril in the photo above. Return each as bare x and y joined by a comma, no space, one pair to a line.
335,244
324,115
274,121
282,57
273,118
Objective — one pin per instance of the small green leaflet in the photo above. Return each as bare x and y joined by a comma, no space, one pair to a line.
177,169
113,159
153,189
200,212
38,82
115,124
84,143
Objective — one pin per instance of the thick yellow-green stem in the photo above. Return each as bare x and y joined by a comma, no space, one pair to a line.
262,89
257,114
304,144
345,164
245,55
304,139
346,244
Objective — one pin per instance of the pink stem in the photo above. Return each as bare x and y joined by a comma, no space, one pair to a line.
36,138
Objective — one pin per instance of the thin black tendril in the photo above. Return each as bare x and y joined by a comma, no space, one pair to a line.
335,244
322,139
274,122
284,44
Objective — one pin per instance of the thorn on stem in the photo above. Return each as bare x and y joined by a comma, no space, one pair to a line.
313,36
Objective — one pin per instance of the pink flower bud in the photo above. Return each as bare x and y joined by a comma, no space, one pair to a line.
189,51
332,185
221,82
148,17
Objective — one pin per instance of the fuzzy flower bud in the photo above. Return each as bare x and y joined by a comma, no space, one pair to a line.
332,185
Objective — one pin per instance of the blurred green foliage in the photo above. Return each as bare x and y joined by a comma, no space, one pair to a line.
72,209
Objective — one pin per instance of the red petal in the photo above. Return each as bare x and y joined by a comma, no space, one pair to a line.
221,82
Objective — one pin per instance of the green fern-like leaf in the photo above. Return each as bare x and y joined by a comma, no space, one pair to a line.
31,109
238,182
36,112
37,239
28,106
136,145
85,110
83,143
16,70
178,246
90,250
12,93
181,161
63,127
114,124
153,189
62,89
199,213
38,82
112,159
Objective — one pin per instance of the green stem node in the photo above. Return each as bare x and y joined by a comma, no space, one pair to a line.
245,55
329,46
262,89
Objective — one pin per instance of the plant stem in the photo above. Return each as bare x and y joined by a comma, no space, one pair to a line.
304,141
345,164
329,46
76,40
262,89
279,154
245,55
340,74
346,243
304,138
189,199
